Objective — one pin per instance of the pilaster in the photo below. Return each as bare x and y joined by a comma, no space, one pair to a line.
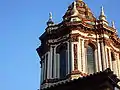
79,55
99,57
119,65
68,58
44,66
50,63
72,55
117,61
106,54
96,60
83,57
57,66
103,55
55,62
48,70
110,59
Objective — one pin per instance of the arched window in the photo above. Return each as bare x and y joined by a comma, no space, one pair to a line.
90,60
62,51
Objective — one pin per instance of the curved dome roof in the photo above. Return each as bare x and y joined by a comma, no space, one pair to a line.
81,9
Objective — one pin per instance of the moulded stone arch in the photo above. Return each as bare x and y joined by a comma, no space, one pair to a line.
61,46
90,53
90,43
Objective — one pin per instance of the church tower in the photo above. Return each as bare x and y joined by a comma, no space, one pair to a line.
78,46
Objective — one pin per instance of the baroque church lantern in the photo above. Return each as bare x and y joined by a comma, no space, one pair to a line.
78,46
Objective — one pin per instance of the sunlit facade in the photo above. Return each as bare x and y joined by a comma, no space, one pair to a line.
78,46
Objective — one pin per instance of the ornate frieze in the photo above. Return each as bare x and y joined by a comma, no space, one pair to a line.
59,40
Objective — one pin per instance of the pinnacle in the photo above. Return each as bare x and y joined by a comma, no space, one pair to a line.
102,14
102,11
113,24
50,16
50,21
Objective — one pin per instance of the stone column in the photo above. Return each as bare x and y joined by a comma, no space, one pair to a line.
110,59
48,70
119,65
68,58
103,55
50,63
55,62
96,60
57,65
79,56
85,52
117,61
83,57
72,55
99,57
45,67
106,53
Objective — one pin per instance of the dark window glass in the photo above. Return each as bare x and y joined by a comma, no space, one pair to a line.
90,60
62,63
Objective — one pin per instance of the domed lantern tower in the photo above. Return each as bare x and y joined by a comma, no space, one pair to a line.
78,46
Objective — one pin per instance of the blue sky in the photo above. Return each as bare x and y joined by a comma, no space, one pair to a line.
21,23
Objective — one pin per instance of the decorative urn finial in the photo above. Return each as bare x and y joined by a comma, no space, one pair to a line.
50,16
50,21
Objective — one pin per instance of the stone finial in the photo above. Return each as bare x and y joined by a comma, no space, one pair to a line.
102,11
102,16
50,21
50,16
113,24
